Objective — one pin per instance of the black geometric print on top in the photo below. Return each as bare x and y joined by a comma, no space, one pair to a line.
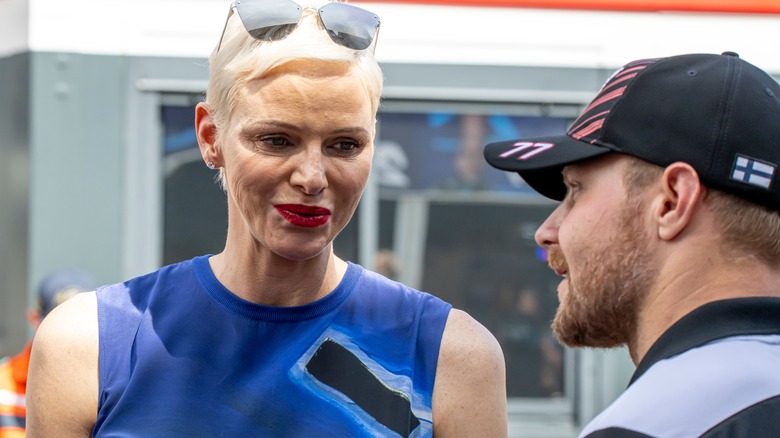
340,369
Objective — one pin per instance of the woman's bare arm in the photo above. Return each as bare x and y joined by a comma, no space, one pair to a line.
469,396
62,388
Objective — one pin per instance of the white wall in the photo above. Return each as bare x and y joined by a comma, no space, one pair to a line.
13,27
417,33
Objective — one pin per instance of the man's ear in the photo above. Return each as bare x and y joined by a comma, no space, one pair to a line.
206,131
681,191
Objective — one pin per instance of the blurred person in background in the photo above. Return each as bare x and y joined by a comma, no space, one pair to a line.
668,241
275,336
534,358
468,164
53,290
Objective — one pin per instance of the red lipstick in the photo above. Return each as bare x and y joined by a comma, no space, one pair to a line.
304,215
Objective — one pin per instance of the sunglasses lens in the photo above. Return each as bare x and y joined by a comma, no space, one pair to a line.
269,20
349,25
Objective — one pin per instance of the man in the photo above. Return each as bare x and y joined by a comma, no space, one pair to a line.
53,290
668,241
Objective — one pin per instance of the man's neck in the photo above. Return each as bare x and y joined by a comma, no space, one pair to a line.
686,283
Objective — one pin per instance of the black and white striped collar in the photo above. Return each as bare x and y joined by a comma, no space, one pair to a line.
713,321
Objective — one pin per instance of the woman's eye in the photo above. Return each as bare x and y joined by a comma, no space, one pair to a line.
276,142
346,145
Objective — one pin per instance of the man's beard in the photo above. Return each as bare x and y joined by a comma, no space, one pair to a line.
601,308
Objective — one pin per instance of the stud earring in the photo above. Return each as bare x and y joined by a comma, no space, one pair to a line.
210,165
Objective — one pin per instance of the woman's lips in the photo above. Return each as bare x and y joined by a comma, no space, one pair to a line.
304,215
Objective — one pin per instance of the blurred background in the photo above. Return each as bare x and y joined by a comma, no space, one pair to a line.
100,171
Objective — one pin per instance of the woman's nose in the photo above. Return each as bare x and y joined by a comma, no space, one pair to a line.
309,174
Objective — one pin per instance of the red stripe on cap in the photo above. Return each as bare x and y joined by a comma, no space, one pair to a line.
627,73
579,126
605,98
633,69
620,79
595,126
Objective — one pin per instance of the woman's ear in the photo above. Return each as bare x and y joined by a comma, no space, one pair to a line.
206,131
681,190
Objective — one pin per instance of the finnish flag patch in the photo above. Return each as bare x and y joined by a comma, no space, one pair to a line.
753,172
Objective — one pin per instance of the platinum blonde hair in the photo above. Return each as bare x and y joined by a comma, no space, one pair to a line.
241,59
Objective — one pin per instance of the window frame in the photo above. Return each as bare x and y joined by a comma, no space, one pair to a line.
588,387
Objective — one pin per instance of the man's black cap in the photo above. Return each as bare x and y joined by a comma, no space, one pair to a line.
718,113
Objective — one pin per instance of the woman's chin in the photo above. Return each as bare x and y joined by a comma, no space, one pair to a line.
300,253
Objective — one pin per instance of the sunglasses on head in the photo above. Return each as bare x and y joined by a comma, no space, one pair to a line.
274,20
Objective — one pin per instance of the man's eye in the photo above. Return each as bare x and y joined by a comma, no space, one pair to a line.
572,189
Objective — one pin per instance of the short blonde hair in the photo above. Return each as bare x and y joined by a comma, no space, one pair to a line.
241,59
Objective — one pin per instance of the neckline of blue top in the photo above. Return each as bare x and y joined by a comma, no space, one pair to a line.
238,305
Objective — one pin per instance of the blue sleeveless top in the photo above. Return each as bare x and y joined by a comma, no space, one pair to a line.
181,356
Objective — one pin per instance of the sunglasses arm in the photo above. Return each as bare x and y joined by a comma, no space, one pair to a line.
376,36
230,14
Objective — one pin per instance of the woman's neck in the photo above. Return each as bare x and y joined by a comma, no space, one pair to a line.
265,278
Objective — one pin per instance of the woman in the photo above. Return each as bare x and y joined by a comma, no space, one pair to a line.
275,335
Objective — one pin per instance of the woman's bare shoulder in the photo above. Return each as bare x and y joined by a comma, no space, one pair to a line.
62,388
470,390
72,323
